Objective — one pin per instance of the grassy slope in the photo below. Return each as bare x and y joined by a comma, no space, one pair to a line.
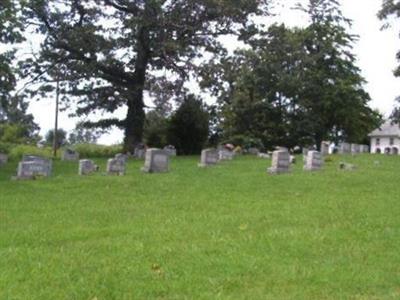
227,232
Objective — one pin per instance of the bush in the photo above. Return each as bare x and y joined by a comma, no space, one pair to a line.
94,150
188,127
17,151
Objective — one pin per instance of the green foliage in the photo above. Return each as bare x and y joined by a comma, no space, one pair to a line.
155,129
61,138
83,135
167,36
227,232
94,150
188,128
17,151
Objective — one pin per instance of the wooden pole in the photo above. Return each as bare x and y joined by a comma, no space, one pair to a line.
55,135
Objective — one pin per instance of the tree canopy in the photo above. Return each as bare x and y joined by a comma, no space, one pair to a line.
110,51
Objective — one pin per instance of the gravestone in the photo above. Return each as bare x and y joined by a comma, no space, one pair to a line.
3,159
87,166
34,166
314,161
225,154
364,149
253,151
156,161
116,166
70,155
280,162
344,148
263,155
121,156
325,148
355,148
209,157
140,152
171,150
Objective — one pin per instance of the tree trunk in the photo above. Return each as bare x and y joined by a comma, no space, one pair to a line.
135,118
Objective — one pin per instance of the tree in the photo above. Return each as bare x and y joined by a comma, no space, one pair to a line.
155,129
188,128
294,87
61,137
82,135
110,48
392,8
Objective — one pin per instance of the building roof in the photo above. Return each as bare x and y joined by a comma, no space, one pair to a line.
387,129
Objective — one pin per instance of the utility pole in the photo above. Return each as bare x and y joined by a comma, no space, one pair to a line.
55,135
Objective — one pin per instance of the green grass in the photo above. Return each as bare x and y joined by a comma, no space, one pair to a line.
226,232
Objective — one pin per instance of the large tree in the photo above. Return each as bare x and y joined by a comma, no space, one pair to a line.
391,8
13,107
108,50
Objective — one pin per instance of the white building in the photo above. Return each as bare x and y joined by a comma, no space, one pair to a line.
386,139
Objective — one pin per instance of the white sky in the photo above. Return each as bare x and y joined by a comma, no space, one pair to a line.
375,50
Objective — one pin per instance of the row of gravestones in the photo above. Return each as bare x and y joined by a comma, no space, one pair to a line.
281,161
347,148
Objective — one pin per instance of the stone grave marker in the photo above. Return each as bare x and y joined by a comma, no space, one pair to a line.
253,151
87,166
209,157
344,148
280,162
225,154
171,150
325,148
33,166
121,156
70,155
140,152
314,161
156,161
3,159
116,166
355,148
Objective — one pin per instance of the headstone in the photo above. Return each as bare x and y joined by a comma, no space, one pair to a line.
364,149
253,151
344,148
47,163
3,159
70,155
32,167
116,166
292,159
121,156
225,154
208,157
314,161
171,150
140,152
355,148
325,148
87,166
263,155
156,161
280,162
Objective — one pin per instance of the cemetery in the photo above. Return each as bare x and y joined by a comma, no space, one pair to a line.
199,149
220,222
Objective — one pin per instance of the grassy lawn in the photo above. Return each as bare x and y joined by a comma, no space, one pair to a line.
226,232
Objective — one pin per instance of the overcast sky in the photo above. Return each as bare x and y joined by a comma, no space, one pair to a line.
375,50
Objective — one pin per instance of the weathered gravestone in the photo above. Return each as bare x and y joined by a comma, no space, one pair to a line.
170,149
70,155
364,149
140,152
325,148
355,148
87,166
116,166
253,151
121,156
314,161
156,161
280,162
3,159
209,157
33,166
225,154
344,148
